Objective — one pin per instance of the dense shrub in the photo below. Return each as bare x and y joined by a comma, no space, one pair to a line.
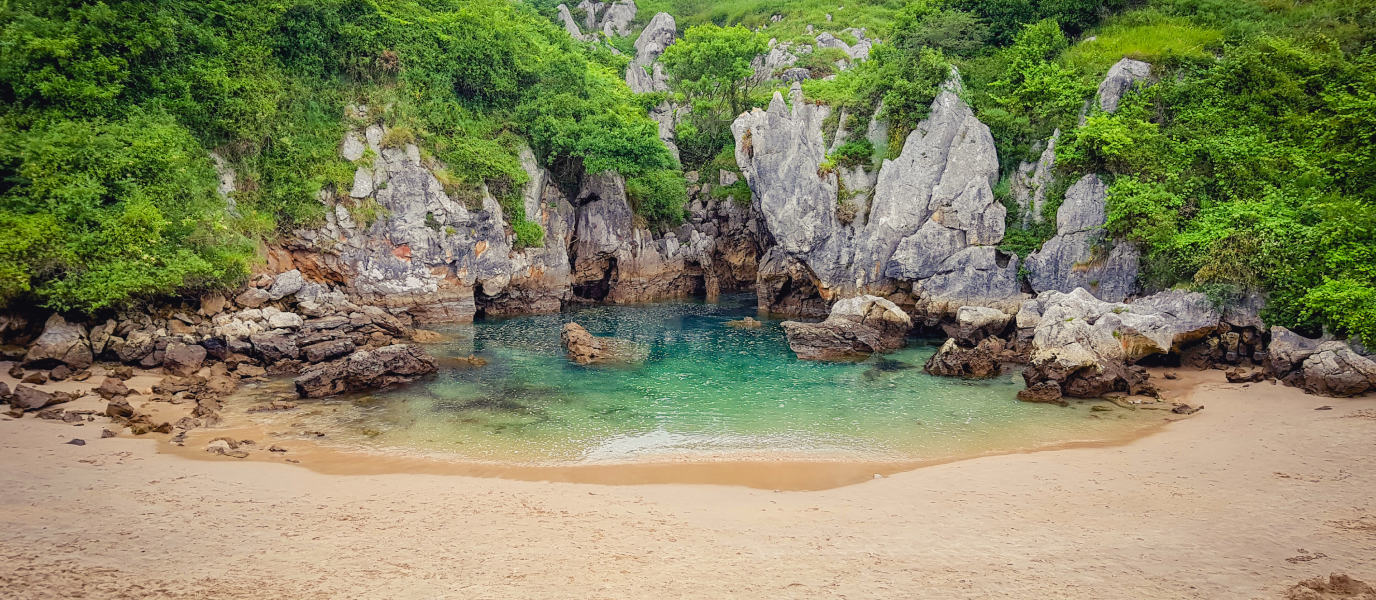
107,112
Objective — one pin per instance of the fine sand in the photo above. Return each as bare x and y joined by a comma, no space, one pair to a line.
1241,500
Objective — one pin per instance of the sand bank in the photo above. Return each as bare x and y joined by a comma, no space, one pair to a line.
1241,500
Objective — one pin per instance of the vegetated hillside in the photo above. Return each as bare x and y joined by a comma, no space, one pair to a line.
1249,165
107,111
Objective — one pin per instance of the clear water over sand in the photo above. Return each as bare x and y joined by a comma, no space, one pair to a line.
706,391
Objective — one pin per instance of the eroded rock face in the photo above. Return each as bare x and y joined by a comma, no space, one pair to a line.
1031,180
365,369
857,327
931,226
61,343
1081,255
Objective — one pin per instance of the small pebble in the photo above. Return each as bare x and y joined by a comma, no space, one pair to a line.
76,442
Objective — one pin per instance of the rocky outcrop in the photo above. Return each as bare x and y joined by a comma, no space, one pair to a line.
585,348
1088,347
615,19
571,25
61,343
857,327
645,74
930,230
1081,255
365,370
435,256
1125,75
980,361
1323,367
859,52
1031,180
975,323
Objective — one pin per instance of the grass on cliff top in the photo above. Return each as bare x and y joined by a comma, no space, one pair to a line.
1144,35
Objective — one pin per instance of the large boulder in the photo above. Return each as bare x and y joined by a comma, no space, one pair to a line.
1335,370
365,370
1125,75
274,347
1089,347
183,359
974,323
31,398
61,343
1289,350
857,327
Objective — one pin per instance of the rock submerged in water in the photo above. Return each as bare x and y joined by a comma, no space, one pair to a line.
746,323
585,348
365,369
856,328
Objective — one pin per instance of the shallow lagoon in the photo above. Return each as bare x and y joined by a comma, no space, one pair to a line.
707,391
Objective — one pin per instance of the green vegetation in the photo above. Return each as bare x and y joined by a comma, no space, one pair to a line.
1246,166
108,111
710,70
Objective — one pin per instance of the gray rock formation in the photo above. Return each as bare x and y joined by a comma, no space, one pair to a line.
932,222
1335,370
571,25
1121,78
856,327
1031,180
645,73
778,57
1289,350
859,52
1081,255
590,12
1087,347
617,18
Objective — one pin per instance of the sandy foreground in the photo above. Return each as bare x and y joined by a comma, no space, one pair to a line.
1241,500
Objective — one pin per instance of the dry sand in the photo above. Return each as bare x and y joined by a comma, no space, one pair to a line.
1243,499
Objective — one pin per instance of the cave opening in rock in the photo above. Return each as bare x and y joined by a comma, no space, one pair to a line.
597,290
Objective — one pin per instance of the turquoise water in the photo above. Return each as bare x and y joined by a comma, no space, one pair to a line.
706,391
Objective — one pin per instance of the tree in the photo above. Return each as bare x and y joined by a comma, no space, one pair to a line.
711,68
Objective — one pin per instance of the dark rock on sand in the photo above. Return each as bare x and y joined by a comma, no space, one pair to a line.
365,370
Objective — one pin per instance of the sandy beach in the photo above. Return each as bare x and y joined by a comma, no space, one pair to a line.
1242,500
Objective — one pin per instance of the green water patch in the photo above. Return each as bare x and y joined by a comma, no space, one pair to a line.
706,391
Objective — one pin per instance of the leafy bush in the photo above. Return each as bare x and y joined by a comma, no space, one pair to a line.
855,153
108,212
660,197
529,234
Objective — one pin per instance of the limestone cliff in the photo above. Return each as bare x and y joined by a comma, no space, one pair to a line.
927,238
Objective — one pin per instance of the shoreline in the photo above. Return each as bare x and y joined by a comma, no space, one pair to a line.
1241,500
767,471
